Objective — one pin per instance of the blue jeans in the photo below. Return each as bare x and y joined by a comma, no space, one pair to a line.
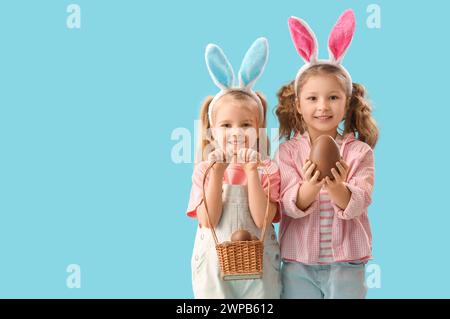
344,280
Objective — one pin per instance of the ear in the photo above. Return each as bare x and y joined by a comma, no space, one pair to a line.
341,36
254,63
219,67
304,39
297,104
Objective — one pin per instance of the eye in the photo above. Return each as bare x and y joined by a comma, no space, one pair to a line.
246,125
225,125
334,97
311,98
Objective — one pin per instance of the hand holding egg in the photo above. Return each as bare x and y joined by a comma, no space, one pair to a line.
340,175
311,174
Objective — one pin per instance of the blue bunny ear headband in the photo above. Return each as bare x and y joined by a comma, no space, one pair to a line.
221,72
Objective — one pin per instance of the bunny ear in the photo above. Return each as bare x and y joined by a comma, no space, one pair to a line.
219,67
304,39
254,62
341,36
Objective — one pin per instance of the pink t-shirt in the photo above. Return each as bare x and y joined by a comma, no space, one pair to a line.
234,175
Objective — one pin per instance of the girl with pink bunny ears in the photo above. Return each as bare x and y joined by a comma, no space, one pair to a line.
325,234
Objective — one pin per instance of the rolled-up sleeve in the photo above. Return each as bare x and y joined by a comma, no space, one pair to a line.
360,185
291,180
274,178
196,196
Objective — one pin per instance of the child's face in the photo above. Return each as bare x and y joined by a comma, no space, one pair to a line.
235,123
322,103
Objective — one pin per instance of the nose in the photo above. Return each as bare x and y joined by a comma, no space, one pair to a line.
323,105
236,135
237,138
235,132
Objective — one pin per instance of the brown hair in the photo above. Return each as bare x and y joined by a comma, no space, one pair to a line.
358,118
206,143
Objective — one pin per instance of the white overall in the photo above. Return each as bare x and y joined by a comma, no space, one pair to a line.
206,280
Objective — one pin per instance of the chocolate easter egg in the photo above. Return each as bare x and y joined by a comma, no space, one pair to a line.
325,154
241,235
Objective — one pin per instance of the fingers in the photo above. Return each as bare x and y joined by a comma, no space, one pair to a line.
241,154
344,164
238,157
322,182
247,155
217,156
336,175
225,145
211,157
310,170
253,156
306,165
315,177
221,156
229,155
342,170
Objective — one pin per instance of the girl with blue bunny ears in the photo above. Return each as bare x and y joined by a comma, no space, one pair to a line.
233,136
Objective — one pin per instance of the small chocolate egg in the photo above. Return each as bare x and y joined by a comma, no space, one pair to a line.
325,153
241,235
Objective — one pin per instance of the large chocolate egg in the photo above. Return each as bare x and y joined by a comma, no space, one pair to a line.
325,154
241,235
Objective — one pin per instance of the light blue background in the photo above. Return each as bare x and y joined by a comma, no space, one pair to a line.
86,117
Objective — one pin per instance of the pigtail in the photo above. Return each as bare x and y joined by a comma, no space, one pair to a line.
287,113
359,117
205,144
263,139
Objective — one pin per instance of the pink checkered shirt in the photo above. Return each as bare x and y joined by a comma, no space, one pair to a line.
351,237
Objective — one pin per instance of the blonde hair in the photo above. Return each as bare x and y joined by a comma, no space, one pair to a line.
206,143
358,118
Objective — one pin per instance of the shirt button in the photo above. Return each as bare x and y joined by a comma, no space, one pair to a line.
202,236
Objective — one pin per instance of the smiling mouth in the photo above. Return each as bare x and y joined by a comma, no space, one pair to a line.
323,118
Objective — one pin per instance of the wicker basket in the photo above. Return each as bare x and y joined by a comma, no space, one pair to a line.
240,260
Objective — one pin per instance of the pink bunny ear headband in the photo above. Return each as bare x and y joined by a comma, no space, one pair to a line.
338,42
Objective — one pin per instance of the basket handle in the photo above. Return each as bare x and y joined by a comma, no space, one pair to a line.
266,215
